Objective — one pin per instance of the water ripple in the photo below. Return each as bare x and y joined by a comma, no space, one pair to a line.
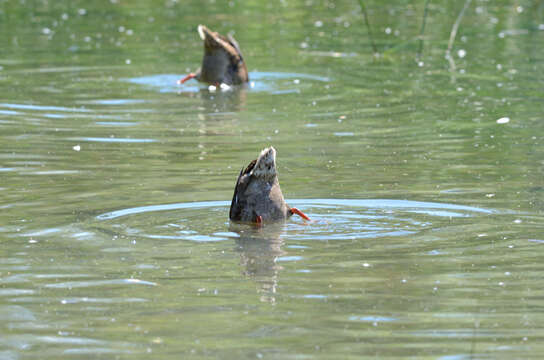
333,219
113,140
273,82
82,284
429,208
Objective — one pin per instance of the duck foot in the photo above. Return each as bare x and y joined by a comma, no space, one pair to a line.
299,213
188,77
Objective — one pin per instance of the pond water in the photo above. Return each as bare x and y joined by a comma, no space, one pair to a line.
423,176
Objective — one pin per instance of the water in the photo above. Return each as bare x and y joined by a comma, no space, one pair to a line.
427,205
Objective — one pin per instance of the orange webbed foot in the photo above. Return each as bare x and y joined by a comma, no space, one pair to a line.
188,77
299,213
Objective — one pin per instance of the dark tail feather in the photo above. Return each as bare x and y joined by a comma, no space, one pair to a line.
235,208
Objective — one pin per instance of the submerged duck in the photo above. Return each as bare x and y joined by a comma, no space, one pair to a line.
222,62
257,195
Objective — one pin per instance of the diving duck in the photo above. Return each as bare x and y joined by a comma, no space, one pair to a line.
222,62
257,194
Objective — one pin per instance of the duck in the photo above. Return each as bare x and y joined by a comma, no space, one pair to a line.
222,63
257,195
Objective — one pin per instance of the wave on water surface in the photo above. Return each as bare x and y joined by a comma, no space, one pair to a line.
273,82
431,208
332,219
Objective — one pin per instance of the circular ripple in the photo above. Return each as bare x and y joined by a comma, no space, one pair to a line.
272,82
332,219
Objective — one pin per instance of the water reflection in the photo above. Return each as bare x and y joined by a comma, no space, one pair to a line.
217,103
260,248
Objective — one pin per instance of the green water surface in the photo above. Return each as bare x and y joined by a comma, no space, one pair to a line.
424,176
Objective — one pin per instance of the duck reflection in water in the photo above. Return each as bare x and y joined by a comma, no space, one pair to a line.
259,249
214,103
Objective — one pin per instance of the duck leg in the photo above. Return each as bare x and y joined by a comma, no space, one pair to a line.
299,213
188,77
259,220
